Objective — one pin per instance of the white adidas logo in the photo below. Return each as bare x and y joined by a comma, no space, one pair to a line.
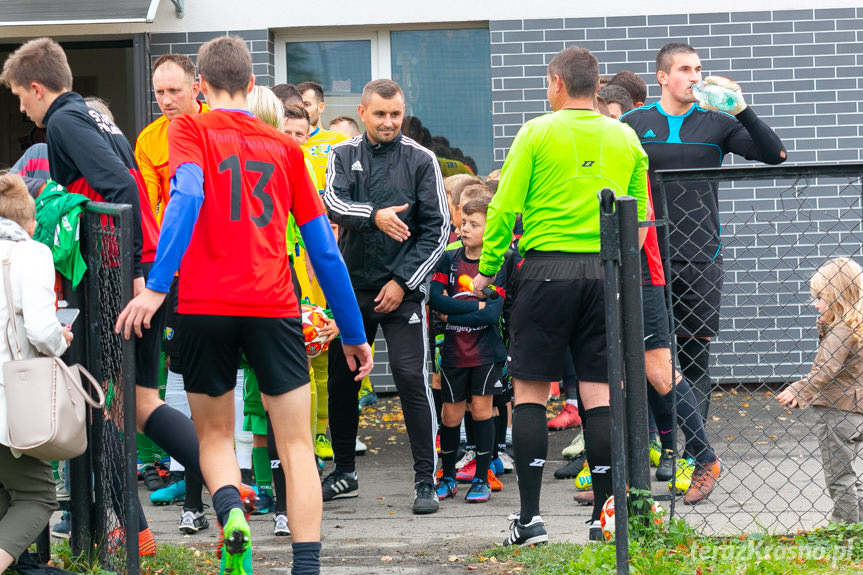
357,167
414,319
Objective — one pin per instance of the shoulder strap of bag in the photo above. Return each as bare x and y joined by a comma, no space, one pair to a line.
7,284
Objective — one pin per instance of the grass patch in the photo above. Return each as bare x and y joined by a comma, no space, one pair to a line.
675,548
169,560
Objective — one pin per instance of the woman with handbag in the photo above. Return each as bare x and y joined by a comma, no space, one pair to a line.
27,492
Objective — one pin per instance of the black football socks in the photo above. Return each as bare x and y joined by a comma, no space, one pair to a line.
597,440
530,443
694,357
484,433
448,449
307,558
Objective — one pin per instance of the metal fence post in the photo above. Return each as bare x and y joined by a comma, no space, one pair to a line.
633,349
113,501
610,255
96,446
130,437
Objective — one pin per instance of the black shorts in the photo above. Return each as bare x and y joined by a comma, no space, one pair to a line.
172,334
505,396
212,345
655,312
696,294
459,383
559,304
148,347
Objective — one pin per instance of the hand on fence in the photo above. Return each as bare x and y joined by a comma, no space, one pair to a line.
138,286
786,398
139,312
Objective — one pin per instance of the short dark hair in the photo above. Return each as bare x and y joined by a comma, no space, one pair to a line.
225,64
632,83
41,60
616,95
296,112
579,70
412,127
304,87
181,60
667,53
476,206
287,94
601,106
341,119
385,88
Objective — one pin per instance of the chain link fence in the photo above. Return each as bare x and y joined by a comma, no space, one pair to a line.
778,226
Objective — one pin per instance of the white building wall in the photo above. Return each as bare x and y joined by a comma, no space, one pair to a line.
205,15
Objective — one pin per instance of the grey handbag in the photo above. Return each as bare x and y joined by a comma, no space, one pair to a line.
45,400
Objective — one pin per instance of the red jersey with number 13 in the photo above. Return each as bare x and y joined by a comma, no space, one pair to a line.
237,262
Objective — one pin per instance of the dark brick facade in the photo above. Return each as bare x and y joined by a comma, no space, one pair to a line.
800,70
260,43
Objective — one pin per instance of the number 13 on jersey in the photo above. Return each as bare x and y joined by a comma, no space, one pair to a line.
253,169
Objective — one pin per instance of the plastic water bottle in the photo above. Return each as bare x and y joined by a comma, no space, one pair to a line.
713,95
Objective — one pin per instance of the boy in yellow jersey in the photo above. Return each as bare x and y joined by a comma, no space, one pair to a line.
293,121
297,124
320,140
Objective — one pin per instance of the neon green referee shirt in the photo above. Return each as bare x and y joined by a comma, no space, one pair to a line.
552,173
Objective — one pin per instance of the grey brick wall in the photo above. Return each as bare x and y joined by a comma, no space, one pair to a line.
801,72
799,69
260,43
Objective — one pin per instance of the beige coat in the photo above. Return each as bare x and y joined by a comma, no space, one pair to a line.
836,377
32,278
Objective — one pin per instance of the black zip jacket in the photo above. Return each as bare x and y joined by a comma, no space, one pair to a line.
88,154
363,178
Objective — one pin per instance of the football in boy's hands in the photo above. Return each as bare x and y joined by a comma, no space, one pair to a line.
314,319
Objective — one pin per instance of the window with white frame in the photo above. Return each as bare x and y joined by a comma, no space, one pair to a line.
445,75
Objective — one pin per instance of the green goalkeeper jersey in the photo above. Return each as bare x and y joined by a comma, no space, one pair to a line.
552,173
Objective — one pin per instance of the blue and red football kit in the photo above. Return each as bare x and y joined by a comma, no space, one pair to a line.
234,182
